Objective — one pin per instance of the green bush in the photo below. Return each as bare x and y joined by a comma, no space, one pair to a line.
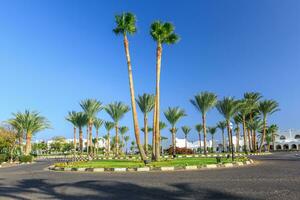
3,158
26,158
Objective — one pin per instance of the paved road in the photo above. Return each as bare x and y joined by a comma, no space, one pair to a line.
275,176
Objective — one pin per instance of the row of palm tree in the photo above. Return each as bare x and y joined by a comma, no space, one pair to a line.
88,118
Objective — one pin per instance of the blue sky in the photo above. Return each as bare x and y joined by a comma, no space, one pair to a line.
55,53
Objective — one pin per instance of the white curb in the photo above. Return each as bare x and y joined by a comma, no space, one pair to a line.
98,169
81,169
191,167
228,165
211,166
119,169
167,168
143,169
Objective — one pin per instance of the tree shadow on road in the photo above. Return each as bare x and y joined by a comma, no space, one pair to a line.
41,189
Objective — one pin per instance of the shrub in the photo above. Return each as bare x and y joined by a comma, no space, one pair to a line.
179,151
3,158
26,158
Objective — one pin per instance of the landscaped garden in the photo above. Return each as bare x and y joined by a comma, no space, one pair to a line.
179,162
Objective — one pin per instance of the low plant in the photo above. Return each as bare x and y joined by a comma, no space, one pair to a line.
3,158
24,158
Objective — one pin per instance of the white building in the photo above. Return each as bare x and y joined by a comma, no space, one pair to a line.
287,140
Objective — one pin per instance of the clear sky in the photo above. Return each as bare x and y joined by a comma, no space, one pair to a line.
55,53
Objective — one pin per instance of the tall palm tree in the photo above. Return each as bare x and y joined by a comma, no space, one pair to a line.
125,24
81,120
32,122
108,126
228,108
244,110
256,125
117,110
123,130
252,99
146,104
266,108
199,129
204,102
91,108
186,130
162,33
212,131
97,124
222,126
173,115
72,119
273,128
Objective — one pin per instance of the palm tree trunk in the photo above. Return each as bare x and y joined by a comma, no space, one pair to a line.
254,140
28,144
249,140
223,140
146,133
133,105
153,131
263,135
185,142
80,140
91,137
273,141
87,141
244,135
74,139
238,139
174,142
157,131
117,140
204,133
229,137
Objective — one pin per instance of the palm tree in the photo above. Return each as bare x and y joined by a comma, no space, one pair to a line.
186,130
81,120
123,130
117,110
212,131
203,102
256,125
162,33
244,111
266,108
31,122
162,138
173,115
125,23
72,119
108,126
199,129
272,130
91,108
146,104
162,125
222,126
252,99
97,124
228,108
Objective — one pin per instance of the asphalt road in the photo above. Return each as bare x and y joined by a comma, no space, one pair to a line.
274,176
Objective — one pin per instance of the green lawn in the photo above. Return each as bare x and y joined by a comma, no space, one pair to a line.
179,162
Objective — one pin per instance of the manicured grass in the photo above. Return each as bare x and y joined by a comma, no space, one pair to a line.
178,162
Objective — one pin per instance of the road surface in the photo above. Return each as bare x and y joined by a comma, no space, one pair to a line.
275,176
